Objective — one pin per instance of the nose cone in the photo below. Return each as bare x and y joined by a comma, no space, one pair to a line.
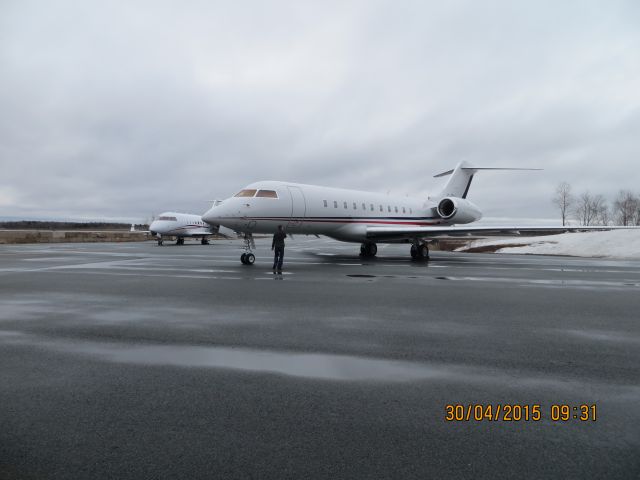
212,216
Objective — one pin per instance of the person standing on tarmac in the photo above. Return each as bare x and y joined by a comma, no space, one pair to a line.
277,246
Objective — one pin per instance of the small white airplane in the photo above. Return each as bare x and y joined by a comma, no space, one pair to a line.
360,217
181,225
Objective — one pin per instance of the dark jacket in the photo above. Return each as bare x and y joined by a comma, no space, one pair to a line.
278,239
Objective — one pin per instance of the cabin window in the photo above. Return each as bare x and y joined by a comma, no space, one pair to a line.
388,208
246,193
396,209
403,210
354,205
345,205
410,210
364,207
335,204
381,209
325,204
372,207
267,194
168,219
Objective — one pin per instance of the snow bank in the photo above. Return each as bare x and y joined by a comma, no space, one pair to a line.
611,244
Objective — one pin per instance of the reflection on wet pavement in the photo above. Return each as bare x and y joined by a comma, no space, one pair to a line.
317,366
308,365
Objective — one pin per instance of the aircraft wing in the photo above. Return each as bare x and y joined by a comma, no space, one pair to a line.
401,232
226,232
199,232
193,231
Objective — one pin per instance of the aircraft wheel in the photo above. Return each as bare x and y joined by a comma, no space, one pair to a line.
159,242
243,258
249,259
368,249
419,252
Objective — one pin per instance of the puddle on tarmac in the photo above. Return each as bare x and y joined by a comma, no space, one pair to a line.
308,365
10,333
605,336
361,275
546,282
313,365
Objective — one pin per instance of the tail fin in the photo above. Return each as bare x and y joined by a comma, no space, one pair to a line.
459,183
461,177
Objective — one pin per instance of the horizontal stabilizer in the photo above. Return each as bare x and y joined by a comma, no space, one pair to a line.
444,174
461,177
449,172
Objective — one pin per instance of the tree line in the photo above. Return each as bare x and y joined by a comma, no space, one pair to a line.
46,225
594,209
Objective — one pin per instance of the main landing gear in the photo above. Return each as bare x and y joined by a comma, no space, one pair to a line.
180,241
419,251
368,249
159,241
248,258
204,241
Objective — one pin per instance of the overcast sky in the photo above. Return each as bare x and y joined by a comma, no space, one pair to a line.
123,109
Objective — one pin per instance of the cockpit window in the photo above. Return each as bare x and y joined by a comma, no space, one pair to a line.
246,193
168,219
267,194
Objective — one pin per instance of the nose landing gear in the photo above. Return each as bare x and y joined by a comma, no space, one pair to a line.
248,258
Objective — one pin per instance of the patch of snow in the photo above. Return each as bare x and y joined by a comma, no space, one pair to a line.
623,244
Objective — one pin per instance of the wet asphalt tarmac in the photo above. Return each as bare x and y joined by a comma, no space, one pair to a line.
134,361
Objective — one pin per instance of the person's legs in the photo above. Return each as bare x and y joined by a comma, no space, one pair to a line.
280,255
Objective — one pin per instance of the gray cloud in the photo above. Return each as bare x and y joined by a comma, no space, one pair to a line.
122,109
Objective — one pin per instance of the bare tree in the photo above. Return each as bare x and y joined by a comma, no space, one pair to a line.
603,216
625,208
563,199
598,204
587,207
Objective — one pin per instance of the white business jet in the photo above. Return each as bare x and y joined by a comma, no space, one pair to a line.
181,225
361,217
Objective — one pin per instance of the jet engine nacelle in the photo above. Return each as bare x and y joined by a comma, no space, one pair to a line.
458,210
